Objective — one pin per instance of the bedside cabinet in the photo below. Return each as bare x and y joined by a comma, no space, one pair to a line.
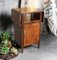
27,28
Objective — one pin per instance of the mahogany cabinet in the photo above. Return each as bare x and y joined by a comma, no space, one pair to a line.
27,28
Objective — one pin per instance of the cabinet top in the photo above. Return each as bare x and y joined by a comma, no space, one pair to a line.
28,10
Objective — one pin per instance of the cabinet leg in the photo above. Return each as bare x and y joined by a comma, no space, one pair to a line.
22,50
38,43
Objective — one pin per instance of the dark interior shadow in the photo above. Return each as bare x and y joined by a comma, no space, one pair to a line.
5,21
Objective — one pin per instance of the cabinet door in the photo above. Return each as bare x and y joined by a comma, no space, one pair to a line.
31,33
28,35
36,32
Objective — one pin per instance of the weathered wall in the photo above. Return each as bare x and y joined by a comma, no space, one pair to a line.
7,5
32,3
5,8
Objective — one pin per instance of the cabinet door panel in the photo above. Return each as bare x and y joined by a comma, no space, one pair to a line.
31,33
36,32
27,35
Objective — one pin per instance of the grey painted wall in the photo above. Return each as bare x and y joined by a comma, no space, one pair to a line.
32,3
5,8
7,5
56,2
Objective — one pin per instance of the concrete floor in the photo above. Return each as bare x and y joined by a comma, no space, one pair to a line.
47,50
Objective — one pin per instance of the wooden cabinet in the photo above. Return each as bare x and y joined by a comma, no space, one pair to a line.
27,29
